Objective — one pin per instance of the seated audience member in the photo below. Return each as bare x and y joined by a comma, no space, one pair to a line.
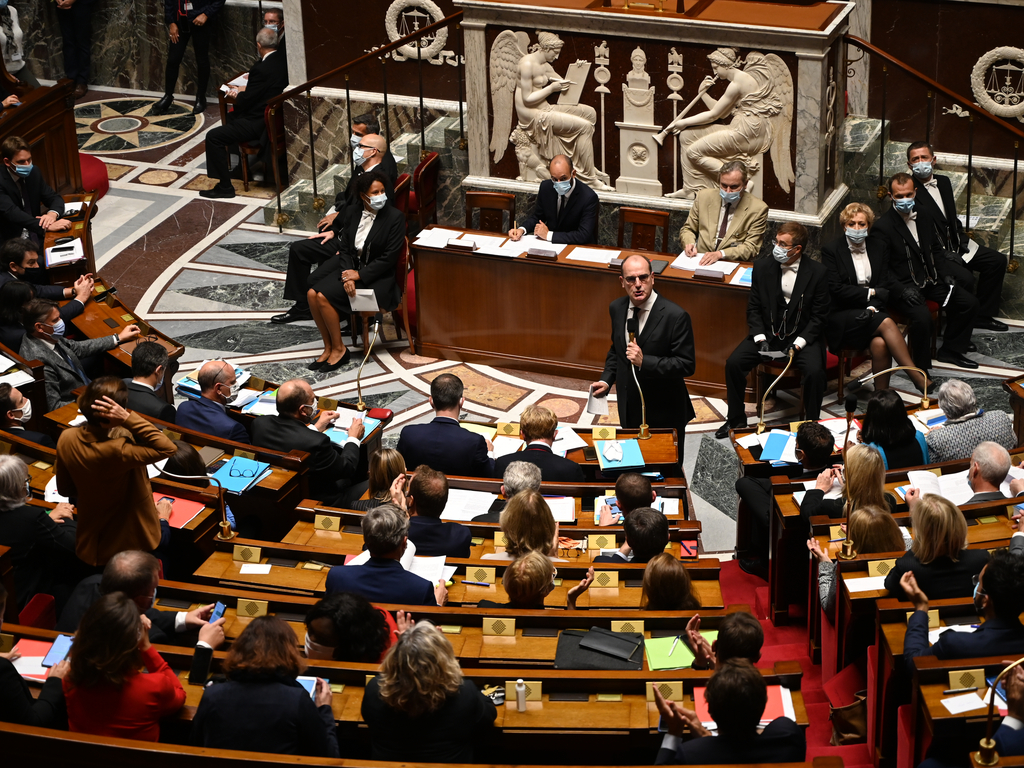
186,463
14,295
135,574
346,627
528,524
332,466
16,412
632,491
938,558
814,445
862,482
646,532
382,578
105,692
420,693
384,466
208,413
998,599
267,78
519,476
537,427
736,696
149,367
966,425
667,586
28,207
21,257
871,529
260,706
62,358
1009,736
102,466
787,310
887,428
566,210
530,578
425,501
740,636
990,464
443,444
17,705
42,541
728,222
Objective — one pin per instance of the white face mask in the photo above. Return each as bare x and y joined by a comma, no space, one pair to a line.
26,412
316,651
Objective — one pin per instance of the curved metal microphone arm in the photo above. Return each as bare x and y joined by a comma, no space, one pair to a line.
645,431
760,418
226,534
925,402
986,754
361,405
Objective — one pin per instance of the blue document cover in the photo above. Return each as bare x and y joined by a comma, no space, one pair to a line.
239,473
632,458
774,447
339,436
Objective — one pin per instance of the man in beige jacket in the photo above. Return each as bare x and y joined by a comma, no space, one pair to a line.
725,223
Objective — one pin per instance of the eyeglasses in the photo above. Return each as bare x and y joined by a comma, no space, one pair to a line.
629,280
232,472
367,146
565,552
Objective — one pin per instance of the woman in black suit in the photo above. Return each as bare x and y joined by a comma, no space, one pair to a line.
942,565
858,282
372,237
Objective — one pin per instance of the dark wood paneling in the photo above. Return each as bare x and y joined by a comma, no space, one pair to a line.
46,120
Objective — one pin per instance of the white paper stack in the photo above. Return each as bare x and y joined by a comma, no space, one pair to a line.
593,255
437,237
952,487
563,508
65,254
692,263
465,505
504,445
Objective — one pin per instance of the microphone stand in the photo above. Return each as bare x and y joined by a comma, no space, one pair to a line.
645,431
760,419
986,754
361,405
225,533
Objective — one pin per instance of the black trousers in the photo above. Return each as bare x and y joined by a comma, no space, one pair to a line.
959,313
76,31
223,136
200,37
756,493
990,265
810,361
302,255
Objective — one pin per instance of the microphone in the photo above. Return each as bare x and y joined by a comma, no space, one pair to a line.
361,404
633,326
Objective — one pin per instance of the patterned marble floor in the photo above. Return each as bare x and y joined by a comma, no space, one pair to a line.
211,274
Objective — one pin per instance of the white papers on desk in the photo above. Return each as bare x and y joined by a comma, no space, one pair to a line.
465,505
593,255
263,408
597,405
563,508
567,440
430,568
73,209
257,569
692,263
532,241
31,668
65,254
510,251
952,487
437,237
345,418
244,397
365,300
239,81
742,276
16,378
965,703
1015,473
78,421
154,469
865,584
504,445
483,241
833,493
933,635
6,363
749,441
50,492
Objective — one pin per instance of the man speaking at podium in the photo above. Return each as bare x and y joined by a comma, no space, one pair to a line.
652,344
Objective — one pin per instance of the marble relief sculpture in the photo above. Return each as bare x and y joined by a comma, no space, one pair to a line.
758,102
997,81
637,149
526,80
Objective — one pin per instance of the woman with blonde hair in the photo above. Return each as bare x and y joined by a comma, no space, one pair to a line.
667,586
528,524
419,708
385,465
862,483
939,559
530,578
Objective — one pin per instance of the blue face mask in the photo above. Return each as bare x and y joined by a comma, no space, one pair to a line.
856,235
780,253
561,187
922,170
358,156
23,170
271,26
378,201
904,204
354,140
58,329
729,197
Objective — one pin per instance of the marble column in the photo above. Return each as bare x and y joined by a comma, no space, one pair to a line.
296,41
857,87
812,80
477,94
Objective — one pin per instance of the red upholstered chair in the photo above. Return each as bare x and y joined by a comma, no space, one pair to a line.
406,313
40,612
401,278
423,198
94,175
402,191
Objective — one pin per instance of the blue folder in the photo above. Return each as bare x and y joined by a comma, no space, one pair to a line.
339,436
246,472
774,446
632,458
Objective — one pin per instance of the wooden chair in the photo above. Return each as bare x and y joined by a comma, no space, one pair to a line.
492,206
848,360
402,187
275,152
401,275
646,224
423,198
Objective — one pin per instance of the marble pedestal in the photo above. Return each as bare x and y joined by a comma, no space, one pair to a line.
638,153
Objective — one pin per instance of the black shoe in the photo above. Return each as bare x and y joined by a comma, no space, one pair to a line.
754,566
316,365
991,324
955,358
972,347
200,106
163,105
723,431
293,315
218,192
332,368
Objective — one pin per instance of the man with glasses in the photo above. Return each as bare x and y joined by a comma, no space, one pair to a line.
368,155
208,414
725,223
651,349
300,426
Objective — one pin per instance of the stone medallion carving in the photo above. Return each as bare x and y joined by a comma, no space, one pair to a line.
998,82
638,154
405,17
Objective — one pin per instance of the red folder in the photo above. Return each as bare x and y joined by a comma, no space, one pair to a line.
33,648
182,511
773,709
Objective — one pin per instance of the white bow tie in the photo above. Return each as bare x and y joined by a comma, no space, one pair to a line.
933,184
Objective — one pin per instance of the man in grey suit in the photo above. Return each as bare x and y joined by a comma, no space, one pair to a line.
62,366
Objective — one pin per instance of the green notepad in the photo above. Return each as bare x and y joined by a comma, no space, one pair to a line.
657,649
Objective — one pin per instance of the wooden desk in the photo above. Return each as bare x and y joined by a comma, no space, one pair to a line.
1015,388
566,332
81,229
34,390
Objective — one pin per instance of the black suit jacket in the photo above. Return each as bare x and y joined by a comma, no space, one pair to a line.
379,256
42,289
994,637
17,705
36,437
447,447
14,218
144,400
669,357
387,166
331,466
806,313
948,228
41,550
88,592
553,468
846,293
433,537
910,262
210,7
781,741
578,223
940,578
1009,742
267,78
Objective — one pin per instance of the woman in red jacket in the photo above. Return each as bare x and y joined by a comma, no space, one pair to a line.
106,693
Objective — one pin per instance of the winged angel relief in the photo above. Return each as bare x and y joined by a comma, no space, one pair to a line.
759,99
521,74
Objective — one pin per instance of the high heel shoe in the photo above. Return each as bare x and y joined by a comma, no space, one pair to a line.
161,107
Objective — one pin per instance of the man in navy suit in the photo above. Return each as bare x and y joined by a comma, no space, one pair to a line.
382,579
16,412
646,536
428,495
150,362
537,426
209,414
443,444
999,600
566,210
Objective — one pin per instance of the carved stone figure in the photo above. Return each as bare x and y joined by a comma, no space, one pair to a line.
638,167
759,100
527,80
997,80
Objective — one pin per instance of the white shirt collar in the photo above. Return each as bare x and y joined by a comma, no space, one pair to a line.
647,305
143,384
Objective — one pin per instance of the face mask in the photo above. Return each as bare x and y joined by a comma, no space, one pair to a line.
152,602
23,170
922,170
561,187
378,201
780,253
856,235
978,596
58,329
316,651
729,197
904,204
358,156
354,140
28,488
26,412
271,26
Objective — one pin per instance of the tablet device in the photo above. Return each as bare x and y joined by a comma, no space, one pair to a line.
58,651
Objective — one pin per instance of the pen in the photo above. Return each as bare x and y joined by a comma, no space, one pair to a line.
959,690
686,549
477,583
674,642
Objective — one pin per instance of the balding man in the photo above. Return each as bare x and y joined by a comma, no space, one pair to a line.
652,344
368,155
566,210
990,464
209,413
298,425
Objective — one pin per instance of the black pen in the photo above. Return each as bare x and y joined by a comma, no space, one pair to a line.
951,691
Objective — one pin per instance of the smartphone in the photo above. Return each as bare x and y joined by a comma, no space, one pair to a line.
168,499
218,612
217,464
309,683
590,453
58,651
62,248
